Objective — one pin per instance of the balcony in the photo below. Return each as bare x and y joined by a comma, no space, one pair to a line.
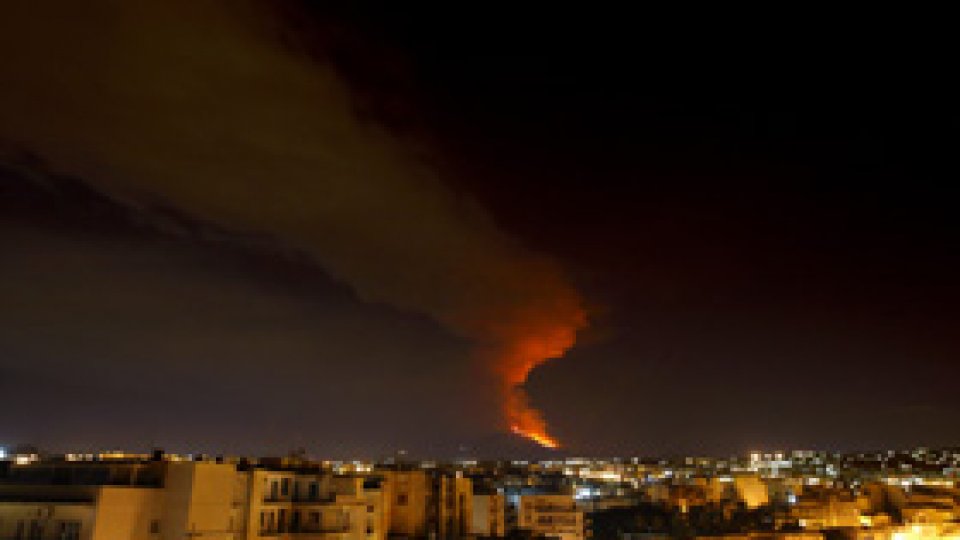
320,498
305,529
554,509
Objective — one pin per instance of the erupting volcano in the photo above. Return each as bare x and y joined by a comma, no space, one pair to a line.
299,168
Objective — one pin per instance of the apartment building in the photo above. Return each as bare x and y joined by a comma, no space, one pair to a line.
426,503
201,500
162,501
320,505
551,516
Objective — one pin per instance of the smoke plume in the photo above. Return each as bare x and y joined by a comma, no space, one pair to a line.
197,105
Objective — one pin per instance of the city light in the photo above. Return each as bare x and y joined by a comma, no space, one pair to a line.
572,498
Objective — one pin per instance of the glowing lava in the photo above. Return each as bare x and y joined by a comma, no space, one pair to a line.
540,438
533,347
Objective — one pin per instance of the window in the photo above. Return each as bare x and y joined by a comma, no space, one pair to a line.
266,521
314,491
69,530
402,499
295,521
36,531
154,526
285,487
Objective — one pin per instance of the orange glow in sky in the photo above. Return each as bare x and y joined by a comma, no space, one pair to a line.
527,352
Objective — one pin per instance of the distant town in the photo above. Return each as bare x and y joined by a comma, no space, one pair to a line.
889,495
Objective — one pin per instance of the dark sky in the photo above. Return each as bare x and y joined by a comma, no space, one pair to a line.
234,228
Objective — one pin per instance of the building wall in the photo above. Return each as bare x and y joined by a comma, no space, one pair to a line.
198,501
215,501
378,513
455,511
48,516
106,513
408,494
752,490
489,516
240,505
312,506
823,514
128,513
555,516
266,502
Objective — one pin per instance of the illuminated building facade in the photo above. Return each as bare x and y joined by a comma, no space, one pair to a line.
552,516
489,515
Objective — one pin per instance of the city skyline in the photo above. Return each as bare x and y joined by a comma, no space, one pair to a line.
798,495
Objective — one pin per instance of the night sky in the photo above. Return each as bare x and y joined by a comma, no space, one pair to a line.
252,227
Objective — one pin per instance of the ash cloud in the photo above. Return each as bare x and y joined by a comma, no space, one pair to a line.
199,106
